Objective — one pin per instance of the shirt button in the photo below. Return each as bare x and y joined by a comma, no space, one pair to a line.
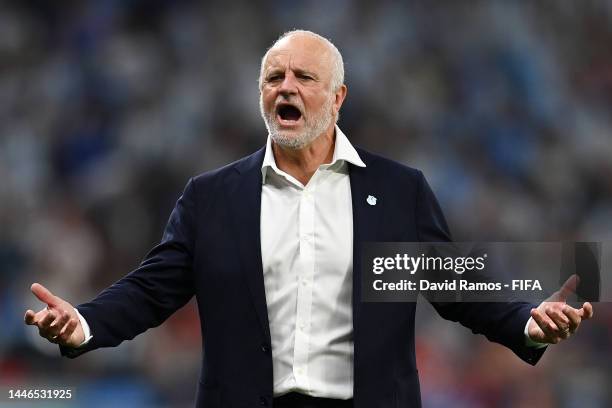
304,282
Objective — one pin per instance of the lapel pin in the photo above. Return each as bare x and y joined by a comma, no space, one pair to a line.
371,200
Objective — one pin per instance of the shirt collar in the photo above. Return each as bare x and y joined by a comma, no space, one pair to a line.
343,152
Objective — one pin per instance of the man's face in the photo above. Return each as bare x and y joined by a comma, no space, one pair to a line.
297,102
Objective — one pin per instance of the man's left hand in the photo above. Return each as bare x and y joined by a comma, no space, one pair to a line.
554,320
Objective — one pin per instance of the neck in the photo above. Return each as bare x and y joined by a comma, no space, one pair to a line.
303,163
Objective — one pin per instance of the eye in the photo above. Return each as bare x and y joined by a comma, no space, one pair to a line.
305,77
273,78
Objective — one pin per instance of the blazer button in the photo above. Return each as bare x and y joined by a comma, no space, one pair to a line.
265,348
263,401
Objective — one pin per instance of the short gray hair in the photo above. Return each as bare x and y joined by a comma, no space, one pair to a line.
337,78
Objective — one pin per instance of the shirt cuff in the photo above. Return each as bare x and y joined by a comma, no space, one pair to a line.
528,341
86,329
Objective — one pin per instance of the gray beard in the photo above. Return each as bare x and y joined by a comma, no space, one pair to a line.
313,128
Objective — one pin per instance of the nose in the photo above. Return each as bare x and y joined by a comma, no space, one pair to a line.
289,85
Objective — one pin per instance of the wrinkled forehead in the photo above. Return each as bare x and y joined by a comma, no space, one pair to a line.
302,53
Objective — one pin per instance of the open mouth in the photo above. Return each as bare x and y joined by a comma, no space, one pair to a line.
288,114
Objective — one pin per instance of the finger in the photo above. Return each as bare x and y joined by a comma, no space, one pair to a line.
30,317
46,321
43,294
561,321
574,316
58,324
568,288
586,312
38,317
62,319
41,315
546,325
67,331
43,325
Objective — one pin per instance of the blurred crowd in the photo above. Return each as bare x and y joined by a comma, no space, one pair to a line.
108,107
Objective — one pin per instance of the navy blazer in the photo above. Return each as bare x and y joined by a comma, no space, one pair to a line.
211,249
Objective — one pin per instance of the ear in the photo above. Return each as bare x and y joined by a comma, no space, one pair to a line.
339,96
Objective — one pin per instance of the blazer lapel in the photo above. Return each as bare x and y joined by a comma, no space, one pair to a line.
368,205
244,191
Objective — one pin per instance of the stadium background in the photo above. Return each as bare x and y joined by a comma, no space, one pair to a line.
107,107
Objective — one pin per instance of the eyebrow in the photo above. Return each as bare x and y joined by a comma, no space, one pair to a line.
305,72
297,71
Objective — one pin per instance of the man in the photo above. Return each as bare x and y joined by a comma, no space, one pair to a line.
270,247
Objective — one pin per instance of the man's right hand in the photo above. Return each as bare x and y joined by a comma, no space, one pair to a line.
58,322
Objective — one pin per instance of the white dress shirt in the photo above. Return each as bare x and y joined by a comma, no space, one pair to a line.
307,255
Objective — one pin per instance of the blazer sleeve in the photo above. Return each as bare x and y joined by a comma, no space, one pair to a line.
147,296
500,322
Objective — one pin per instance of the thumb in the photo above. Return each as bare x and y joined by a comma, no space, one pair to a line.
568,288
44,295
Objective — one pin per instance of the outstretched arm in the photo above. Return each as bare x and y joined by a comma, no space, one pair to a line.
143,299
501,322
